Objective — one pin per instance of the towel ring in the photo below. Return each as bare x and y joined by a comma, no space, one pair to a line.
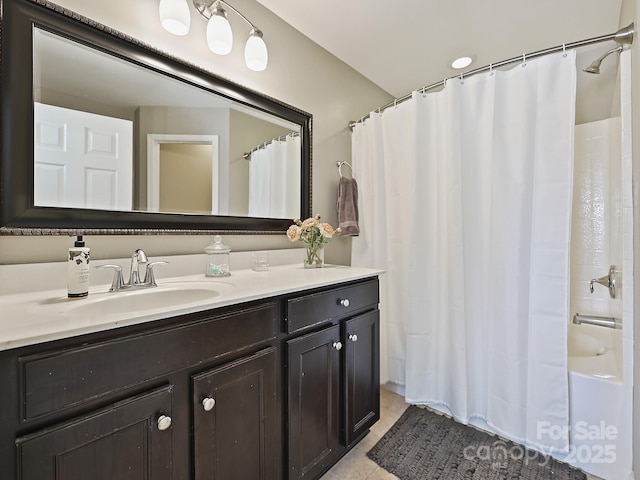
340,164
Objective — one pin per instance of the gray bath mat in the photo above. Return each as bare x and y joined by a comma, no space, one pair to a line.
423,445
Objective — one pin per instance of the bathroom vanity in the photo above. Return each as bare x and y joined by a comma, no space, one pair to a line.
277,376
268,375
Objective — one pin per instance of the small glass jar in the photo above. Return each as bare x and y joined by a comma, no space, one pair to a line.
218,258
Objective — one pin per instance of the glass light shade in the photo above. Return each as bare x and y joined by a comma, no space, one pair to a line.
175,17
255,52
219,35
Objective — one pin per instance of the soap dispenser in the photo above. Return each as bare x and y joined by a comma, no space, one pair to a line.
218,258
78,269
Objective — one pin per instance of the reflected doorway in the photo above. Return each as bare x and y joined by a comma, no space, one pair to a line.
183,174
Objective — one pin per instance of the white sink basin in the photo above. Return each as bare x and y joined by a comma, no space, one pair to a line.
130,301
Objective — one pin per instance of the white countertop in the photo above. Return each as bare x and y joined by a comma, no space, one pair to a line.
41,316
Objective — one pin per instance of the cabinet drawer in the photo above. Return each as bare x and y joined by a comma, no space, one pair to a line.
62,379
316,308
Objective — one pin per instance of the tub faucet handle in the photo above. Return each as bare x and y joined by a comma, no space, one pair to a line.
608,281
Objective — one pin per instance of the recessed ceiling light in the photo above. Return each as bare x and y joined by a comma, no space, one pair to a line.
462,62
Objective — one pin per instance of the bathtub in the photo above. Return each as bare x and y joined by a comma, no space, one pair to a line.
599,404
595,354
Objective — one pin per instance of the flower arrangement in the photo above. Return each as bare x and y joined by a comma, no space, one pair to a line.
315,234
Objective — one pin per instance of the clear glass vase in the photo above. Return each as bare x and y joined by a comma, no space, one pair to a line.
314,257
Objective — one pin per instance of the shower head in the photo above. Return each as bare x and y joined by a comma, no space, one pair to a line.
595,65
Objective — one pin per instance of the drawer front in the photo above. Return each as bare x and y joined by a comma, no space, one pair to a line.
62,379
310,310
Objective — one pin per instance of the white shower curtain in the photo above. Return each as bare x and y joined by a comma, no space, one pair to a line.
466,203
272,171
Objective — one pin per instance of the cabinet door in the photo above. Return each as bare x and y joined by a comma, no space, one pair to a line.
236,420
313,362
362,374
130,440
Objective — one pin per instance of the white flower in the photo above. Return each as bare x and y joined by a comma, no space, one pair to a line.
308,223
326,230
293,233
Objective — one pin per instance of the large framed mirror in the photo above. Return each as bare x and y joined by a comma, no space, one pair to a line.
103,134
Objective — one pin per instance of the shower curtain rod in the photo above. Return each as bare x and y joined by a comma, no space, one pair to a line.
247,155
624,36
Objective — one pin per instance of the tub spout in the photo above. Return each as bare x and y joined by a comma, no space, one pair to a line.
609,322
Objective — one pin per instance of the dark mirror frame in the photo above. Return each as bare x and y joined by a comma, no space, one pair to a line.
19,216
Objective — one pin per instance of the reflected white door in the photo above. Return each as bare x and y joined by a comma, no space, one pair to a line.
82,160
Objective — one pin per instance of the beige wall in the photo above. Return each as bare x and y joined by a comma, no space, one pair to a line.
186,178
300,73
176,121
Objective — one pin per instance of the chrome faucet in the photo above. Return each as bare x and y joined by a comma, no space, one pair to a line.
137,259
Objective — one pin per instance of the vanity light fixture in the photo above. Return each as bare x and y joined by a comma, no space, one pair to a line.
175,18
462,62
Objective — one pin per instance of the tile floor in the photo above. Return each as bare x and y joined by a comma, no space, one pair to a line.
356,465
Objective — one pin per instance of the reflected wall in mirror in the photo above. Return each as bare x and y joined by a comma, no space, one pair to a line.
123,137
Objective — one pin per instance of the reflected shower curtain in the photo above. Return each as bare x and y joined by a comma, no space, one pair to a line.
273,170
466,203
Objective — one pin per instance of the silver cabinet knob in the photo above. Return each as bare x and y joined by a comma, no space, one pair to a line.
164,422
344,302
208,404
353,337
337,345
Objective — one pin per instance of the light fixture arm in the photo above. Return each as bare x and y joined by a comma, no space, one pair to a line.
205,8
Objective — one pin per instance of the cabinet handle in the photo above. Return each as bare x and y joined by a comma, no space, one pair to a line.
208,404
353,337
164,422
344,302
337,345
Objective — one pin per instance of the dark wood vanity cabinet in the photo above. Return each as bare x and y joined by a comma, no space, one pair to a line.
234,393
361,374
314,402
236,420
130,440
333,375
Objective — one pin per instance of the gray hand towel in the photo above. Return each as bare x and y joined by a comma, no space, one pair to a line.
348,207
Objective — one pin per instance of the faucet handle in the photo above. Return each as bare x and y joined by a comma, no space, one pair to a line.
117,282
608,281
149,277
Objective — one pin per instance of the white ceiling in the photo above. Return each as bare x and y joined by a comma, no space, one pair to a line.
402,45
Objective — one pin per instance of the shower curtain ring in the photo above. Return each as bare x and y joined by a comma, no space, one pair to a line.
491,69
524,60
461,80
564,50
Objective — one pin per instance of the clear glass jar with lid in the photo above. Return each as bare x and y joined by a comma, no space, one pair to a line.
218,258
